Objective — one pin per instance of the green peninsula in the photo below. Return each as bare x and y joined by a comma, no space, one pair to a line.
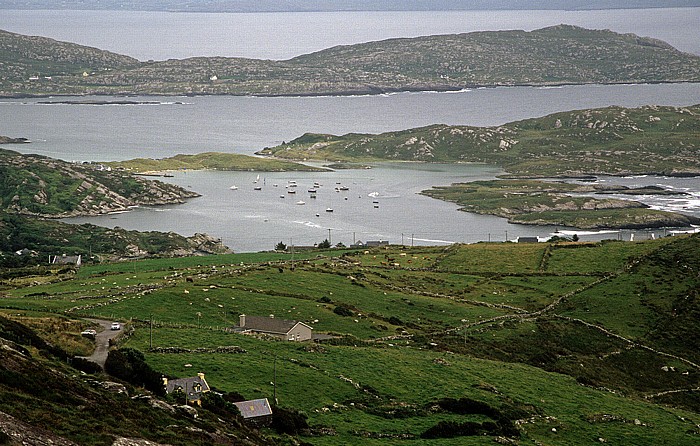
212,161
555,55
559,204
606,141
39,186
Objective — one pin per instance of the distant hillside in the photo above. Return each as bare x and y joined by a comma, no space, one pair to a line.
25,57
40,186
612,140
550,56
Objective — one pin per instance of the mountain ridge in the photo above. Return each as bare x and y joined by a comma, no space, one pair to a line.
557,55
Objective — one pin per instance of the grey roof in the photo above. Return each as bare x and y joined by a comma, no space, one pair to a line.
254,408
268,324
193,386
67,260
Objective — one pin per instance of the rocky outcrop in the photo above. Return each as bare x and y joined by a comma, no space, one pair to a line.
17,432
46,187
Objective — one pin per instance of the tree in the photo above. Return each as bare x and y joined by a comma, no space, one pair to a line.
280,247
324,244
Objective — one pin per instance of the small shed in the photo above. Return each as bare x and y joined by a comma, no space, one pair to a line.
283,328
255,411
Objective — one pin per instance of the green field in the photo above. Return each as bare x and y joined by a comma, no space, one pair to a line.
567,343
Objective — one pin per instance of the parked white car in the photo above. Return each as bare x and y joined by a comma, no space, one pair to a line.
89,333
116,326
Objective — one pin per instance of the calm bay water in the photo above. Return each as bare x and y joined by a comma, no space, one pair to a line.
249,220
163,35
247,124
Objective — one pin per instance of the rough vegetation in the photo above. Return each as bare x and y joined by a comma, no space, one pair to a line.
612,140
549,343
550,56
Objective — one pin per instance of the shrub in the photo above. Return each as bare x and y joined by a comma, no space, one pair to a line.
130,365
343,311
85,365
288,421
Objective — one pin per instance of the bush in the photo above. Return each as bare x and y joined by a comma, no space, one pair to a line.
343,311
130,365
288,421
219,405
85,365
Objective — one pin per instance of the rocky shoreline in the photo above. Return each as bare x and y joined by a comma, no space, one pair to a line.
8,140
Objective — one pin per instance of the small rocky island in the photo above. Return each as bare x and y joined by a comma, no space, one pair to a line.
8,140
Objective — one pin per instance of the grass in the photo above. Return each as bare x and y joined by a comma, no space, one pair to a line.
467,321
211,161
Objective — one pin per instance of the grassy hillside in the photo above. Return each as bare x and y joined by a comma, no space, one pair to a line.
43,400
559,204
212,161
24,57
612,140
551,56
40,186
567,343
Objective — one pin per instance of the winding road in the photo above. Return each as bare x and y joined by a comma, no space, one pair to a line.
102,341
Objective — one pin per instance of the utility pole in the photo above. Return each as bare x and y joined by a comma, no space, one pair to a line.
274,381
402,239
506,235
329,236
411,240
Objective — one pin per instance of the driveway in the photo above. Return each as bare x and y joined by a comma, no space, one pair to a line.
102,341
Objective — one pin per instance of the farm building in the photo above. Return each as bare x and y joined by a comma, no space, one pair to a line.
66,260
193,387
283,328
256,411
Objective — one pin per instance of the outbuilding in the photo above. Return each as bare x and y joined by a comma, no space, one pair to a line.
283,328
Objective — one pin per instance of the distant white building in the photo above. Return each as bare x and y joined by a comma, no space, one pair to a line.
66,260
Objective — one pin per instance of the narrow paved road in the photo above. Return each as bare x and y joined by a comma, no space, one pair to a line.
102,341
